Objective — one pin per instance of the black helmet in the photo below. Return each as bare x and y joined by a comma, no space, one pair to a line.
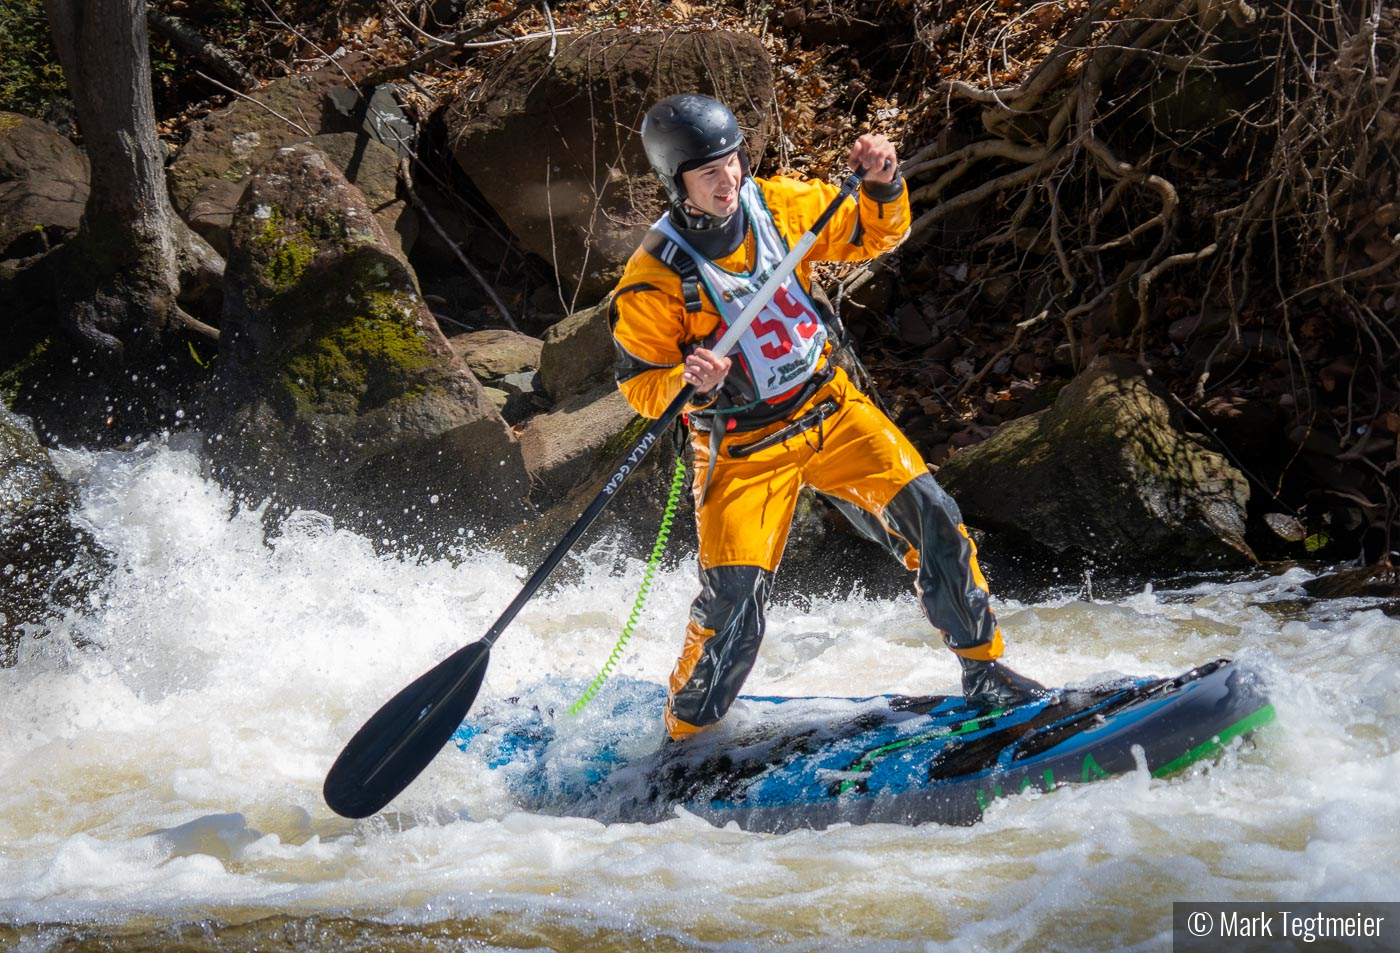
682,132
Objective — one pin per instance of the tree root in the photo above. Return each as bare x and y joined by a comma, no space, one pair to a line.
1176,157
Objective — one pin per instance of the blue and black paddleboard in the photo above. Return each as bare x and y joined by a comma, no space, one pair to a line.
777,764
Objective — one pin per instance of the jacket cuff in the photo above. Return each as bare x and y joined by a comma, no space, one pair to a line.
884,192
698,401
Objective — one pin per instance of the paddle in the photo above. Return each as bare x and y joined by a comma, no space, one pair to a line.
399,740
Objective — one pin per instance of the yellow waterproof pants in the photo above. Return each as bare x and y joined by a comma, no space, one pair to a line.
857,458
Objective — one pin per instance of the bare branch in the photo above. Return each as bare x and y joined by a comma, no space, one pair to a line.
406,177
1144,288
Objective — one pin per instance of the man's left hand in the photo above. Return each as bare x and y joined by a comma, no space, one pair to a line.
877,155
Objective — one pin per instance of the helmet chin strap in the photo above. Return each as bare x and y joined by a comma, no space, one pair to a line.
697,220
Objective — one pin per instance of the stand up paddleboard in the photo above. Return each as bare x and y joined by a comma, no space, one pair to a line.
777,764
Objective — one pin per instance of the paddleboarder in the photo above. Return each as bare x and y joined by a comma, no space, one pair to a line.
779,414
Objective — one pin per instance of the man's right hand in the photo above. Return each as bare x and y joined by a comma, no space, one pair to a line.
706,370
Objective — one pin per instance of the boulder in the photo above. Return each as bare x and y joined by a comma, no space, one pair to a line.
43,187
379,115
1105,473
46,563
552,139
507,363
1381,581
492,355
209,175
563,447
336,390
578,353
368,165
372,167
229,143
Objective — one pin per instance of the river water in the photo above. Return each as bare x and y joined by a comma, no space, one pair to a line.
163,755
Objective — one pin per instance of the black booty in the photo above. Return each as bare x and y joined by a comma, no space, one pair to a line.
989,685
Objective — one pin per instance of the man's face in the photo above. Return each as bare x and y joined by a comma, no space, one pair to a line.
713,188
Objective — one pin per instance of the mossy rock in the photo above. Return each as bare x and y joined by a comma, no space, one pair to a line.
336,388
47,563
1105,473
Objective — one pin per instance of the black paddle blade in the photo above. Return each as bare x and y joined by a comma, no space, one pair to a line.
396,744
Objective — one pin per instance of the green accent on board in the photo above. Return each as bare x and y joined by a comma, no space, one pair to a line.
1090,770
1216,744
864,762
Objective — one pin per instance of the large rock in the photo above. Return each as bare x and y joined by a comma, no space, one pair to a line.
578,353
46,563
553,140
372,167
507,362
229,143
213,168
497,353
337,391
1105,473
564,446
43,186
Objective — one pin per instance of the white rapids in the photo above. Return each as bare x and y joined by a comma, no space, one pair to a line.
164,751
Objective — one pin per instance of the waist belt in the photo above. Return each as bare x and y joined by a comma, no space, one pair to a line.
807,421
760,414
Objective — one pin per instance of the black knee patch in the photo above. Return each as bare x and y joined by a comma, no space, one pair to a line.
731,603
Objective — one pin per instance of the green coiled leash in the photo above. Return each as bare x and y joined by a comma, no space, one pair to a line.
677,481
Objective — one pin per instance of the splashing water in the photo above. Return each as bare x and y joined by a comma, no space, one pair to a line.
163,755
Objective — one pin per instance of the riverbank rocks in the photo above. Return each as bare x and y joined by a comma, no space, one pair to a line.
46,563
336,390
209,175
552,137
1380,581
43,187
578,353
507,363
497,353
576,438
1105,473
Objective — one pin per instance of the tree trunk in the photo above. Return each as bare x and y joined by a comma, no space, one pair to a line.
127,225
118,282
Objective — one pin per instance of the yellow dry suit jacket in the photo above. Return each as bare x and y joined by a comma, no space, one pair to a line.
658,320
